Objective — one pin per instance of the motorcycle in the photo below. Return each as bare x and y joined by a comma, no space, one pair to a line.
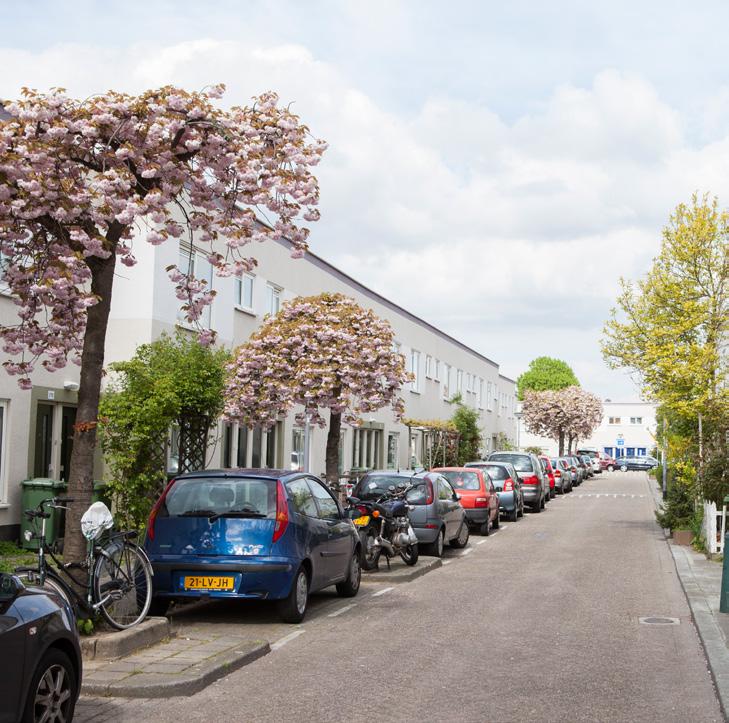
384,526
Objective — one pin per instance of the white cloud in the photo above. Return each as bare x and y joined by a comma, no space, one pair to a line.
523,227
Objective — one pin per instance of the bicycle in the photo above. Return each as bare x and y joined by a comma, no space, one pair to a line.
119,574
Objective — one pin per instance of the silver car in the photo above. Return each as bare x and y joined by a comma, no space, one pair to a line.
508,487
534,483
563,474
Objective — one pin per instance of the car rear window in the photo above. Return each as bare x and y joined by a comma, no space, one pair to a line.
418,495
496,471
521,462
205,496
372,486
463,480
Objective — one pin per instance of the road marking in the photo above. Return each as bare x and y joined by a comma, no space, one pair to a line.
480,542
447,562
342,610
465,552
382,592
286,639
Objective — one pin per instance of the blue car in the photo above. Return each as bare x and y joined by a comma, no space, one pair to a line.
257,534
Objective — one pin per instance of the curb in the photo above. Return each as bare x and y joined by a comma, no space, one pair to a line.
403,575
187,684
117,644
711,636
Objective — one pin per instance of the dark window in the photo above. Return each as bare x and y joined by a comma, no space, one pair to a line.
463,480
521,462
328,508
257,440
372,486
302,498
227,444
201,497
242,446
496,471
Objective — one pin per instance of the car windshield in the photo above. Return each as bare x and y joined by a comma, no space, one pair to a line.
234,496
373,486
496,471
462,480
521,462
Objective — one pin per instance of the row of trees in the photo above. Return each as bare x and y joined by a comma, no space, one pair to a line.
671,330
555,406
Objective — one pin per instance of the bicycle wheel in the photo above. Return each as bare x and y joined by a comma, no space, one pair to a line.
122,584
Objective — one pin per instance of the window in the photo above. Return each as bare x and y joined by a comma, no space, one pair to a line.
193,263
636,420
273,299
3,424
244,291
436,372
328,508
227,444
4,288
366,445
496,398
393,450
428,366
459,381
488,396
415,369
298,437
613,420
447,381
469,386
445,491
480,393
302,498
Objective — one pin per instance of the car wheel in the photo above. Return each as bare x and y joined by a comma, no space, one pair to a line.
159,606
485,528
610,468
53,689
521,508
462,540
497,520
514,514
293,607
350,587
435,549
623,468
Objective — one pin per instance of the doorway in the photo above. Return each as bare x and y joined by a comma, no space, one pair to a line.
53,440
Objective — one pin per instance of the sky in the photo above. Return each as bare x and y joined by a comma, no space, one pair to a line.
493,167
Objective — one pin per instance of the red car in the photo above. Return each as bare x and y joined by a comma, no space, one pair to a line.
608,463
547,467
478,497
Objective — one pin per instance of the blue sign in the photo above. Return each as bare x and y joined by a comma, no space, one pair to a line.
620,442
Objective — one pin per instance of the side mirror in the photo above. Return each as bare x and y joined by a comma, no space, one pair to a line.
10,586
456,496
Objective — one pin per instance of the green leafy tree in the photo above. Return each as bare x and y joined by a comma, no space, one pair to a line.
165,383
671,329
466,420
545,373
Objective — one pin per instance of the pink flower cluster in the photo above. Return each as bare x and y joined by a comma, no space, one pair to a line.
320,352
82,181
573,413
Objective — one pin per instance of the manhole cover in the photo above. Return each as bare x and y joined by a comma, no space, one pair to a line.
659,621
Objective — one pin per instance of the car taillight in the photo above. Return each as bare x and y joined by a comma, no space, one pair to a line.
155,510
362,510
481,502
557,473
282,512
431,495
509,485
531,480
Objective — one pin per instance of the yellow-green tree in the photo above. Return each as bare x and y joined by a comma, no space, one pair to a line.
672,327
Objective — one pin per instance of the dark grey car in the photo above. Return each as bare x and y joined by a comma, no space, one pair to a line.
534,483
40,666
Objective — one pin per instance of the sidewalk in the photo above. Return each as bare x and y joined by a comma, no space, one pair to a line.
701,582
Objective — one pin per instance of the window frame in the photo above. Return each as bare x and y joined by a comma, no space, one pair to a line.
239,286
415,370
194,257
4,420
273,292
314,483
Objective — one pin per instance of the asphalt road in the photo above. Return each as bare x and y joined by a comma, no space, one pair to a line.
539,622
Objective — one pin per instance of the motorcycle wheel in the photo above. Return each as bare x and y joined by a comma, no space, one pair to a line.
370,552
410,554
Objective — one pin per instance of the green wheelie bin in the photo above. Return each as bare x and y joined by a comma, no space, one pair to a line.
34,491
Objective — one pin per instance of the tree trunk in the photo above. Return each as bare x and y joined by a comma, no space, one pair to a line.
81,475
570,442
332,454
561,443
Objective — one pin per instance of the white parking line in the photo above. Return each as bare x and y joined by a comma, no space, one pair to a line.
286,639
447,562
480,542
466,551
342,610
382,592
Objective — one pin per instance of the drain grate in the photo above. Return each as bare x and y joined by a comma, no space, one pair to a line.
659,621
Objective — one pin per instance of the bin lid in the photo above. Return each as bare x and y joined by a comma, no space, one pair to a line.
42,483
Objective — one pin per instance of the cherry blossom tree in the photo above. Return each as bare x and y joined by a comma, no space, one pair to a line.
319,352
565,415
82,182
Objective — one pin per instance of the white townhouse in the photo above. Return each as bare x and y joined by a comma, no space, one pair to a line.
626,429
36,425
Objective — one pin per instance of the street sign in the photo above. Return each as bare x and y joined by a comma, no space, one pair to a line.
620,442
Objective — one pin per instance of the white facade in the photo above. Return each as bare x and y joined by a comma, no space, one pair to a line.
144,305
626,429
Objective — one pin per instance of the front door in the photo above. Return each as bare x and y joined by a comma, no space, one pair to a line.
53,440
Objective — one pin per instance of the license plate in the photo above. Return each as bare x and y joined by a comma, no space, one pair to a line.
362,521
200,582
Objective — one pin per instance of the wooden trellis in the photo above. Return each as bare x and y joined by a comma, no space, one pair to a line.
439,441
193,442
